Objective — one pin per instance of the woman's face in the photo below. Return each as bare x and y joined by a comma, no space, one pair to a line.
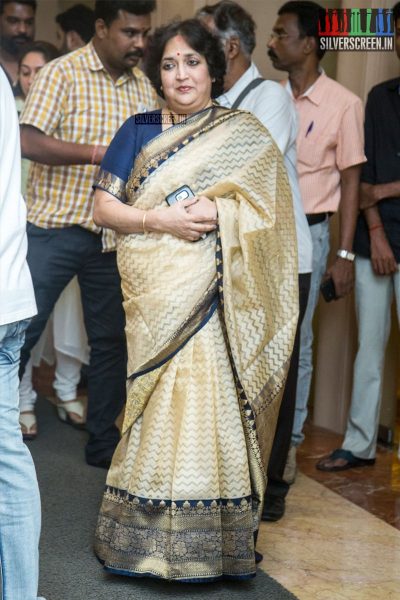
30,65
185,78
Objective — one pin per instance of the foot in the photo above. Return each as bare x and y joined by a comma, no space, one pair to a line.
274,508
341,460
72,412
27,420
101,463
290,472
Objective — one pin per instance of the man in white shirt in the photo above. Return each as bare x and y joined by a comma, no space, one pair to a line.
19,492
272,105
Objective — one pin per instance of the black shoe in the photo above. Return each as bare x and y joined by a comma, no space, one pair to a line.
341,460
274,508
102,463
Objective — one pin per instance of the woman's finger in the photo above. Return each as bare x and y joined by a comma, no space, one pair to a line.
189,201
203,227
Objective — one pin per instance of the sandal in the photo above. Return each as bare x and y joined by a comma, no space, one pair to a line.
346,460
72,412
28,423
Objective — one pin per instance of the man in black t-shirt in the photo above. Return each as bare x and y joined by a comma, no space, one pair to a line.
377,246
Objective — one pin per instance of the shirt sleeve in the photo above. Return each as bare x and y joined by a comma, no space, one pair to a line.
276,112
350,147
46,100
118,161
368,174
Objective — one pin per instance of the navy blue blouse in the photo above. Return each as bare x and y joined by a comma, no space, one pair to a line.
137,131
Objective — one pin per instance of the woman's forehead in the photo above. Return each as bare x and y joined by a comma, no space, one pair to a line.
178,46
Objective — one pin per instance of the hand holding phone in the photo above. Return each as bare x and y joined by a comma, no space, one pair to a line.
327,289
182,193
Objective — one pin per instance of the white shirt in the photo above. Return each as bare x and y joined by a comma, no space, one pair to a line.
17,298
272,105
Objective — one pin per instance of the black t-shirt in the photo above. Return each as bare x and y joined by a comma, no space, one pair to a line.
382,149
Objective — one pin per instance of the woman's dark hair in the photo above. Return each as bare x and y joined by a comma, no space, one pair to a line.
197,37
48,51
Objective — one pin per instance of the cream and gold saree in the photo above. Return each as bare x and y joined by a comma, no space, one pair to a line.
210,327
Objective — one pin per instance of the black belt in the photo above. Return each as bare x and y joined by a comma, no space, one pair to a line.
316,218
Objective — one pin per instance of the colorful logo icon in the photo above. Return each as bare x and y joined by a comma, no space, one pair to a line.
356,29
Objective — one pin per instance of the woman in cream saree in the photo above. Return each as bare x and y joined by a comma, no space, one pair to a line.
210,327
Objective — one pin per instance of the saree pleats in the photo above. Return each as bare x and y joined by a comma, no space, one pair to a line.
210,327
188,448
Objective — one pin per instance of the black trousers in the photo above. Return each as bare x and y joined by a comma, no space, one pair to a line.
54,257
280,447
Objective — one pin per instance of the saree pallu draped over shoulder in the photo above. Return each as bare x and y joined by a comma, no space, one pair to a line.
210,327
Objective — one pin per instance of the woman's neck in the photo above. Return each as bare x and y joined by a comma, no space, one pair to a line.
179,114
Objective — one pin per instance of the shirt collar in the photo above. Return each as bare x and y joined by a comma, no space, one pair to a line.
315,92
229,97
94,63
93,60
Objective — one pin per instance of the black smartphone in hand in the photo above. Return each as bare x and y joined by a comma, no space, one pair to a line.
182,193
327,289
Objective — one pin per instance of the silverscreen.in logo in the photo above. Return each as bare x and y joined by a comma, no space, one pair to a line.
158,119
356,29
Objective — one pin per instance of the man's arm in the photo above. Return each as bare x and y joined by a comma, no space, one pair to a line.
342,270
44,110
382,257
372,194
46,149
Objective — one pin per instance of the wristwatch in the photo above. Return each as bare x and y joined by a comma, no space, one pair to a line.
346,255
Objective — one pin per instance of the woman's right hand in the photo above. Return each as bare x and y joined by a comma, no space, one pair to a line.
177,221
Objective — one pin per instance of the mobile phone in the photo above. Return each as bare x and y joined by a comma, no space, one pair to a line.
327,289
182,193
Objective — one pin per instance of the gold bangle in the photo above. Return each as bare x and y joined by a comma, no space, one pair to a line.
144,222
